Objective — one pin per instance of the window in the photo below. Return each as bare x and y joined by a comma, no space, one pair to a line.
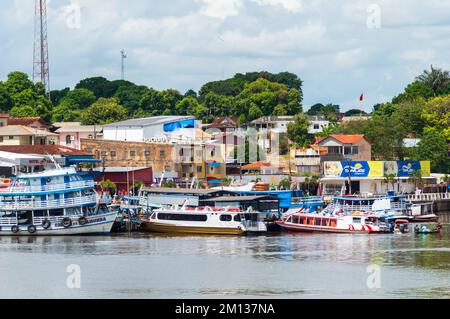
90,136
199,169
316,126
295,220
147,153
334,150
347,150
225,218
162,153
237,218
1,139
357,220
11,137
103,153
113,153
324,222
317,222
355,150
132,153
68,139
183,217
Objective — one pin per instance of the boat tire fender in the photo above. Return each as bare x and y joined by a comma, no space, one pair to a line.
32,229
46,224
82,221
66,222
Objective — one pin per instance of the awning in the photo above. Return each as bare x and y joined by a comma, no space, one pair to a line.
170,127
83,160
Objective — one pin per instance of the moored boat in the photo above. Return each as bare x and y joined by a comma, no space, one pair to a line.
53,202
203,220
355,224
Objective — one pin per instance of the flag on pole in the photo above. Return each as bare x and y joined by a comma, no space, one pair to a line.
361,98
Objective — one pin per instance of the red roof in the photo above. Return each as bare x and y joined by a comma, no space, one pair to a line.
256,165
43,150
26,121
344,139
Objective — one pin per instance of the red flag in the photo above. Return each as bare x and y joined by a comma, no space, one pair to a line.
361,98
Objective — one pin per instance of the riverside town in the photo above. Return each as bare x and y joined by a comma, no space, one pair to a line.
276,162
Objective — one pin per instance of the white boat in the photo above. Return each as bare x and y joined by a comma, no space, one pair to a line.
204,220
53,202
355,224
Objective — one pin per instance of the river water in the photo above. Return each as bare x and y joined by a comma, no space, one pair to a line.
273,266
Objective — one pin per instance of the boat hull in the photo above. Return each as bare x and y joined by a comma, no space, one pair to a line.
319,229
166,228
101,224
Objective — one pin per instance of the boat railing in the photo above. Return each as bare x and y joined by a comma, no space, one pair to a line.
47,204
427,197
307,200
365,208
49,187
8,221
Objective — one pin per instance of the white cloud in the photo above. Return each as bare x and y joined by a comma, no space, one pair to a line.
425,55
221,9
294,6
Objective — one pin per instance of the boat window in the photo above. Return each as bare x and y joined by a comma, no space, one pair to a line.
295,220
40,213
237,218
357,220
57,212
289,219
333,223
317,222
226,218
324,222
183,217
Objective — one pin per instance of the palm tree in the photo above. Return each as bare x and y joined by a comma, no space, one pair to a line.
436,79
390,179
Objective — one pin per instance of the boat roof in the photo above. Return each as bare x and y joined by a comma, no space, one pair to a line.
240,198
366,198
49,173
183,191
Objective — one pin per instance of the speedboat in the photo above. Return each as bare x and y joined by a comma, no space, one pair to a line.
203,220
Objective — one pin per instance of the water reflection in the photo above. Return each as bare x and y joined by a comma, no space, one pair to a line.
281,265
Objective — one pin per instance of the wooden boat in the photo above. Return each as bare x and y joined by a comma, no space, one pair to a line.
202,220
428,229
354,224
53,202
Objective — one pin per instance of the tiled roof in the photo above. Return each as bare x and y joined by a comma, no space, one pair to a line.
25,121
21,130
256,165
344,139
43,149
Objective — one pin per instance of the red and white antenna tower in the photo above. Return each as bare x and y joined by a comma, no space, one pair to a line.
41,72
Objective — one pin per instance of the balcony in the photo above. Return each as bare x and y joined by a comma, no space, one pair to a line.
47,204
35,190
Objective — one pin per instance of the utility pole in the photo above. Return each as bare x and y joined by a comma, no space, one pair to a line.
123,57
41,72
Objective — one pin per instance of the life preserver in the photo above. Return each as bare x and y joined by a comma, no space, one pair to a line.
66,222
82,221
32,229
15,229
46,224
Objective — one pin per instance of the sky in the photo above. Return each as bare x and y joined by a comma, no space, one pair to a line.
339,48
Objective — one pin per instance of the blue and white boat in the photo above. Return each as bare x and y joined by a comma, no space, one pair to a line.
53,202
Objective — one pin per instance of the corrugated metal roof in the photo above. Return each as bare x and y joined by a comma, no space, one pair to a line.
149,121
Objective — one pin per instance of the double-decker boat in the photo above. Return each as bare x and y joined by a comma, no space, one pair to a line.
342,223
53,202
204,220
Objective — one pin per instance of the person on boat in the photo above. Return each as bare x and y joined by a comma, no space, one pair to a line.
424,228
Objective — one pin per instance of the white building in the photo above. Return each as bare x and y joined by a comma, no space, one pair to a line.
153,129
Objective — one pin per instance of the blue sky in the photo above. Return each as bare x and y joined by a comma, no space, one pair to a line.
339,48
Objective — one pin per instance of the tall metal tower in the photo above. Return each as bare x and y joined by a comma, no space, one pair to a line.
41,72
123,56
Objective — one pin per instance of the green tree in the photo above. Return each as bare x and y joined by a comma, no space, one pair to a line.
433,147
436,114
436,79
82,97
6,103
23,111
248,153
66,111
413,91
298,130
104,111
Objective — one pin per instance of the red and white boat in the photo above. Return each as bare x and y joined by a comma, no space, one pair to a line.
355,224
